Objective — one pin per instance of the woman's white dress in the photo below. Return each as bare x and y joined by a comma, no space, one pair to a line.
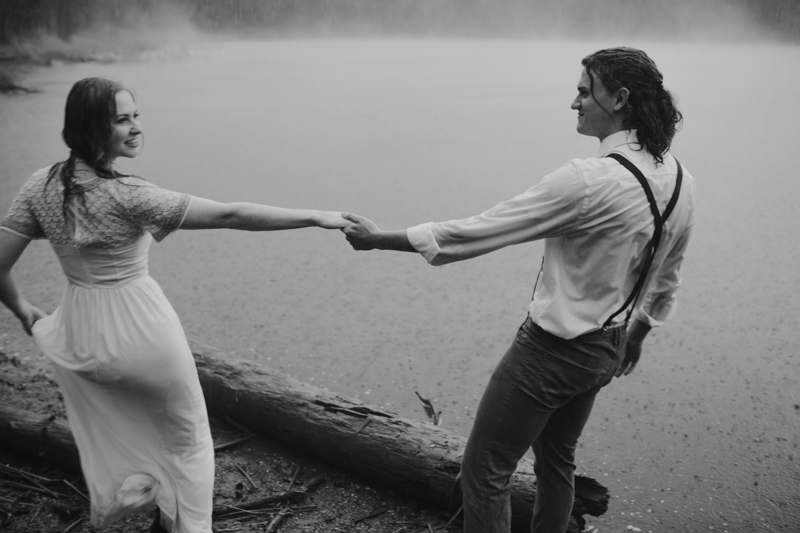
121,359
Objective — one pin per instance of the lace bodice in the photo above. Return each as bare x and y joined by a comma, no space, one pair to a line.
112,212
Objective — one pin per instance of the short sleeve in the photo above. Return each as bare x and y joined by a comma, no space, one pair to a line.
20,219
153,209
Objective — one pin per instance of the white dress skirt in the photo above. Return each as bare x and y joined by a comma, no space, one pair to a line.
131,389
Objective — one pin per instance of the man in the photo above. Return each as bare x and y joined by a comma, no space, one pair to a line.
600,289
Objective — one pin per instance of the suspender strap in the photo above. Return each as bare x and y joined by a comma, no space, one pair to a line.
652,246
674,199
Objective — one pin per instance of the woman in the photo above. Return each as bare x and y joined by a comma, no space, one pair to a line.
121,358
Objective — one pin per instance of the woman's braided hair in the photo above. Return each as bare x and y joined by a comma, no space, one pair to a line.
88,115
651,109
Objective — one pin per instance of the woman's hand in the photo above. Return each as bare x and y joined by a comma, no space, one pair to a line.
29,317
331,220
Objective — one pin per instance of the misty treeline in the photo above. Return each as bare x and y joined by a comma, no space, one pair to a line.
22,19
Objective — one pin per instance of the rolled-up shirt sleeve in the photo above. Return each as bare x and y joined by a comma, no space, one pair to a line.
546,210
422,239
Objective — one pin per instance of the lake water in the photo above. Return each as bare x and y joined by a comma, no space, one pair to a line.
704,436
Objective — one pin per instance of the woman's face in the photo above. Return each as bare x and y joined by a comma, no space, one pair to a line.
127,137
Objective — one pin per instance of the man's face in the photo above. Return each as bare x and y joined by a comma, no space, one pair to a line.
595,108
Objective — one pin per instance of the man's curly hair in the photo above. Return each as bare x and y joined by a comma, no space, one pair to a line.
651,109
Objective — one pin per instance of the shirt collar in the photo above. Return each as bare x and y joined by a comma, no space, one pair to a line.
624,138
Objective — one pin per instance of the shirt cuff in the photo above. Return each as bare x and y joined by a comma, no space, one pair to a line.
422,239
642,316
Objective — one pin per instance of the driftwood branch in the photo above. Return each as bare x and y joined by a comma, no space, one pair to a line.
286,496
231,444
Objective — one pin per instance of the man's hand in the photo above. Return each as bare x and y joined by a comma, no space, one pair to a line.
633,350
637,332
362,233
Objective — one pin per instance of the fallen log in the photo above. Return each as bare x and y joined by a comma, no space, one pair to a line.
416,459
37,436
413,458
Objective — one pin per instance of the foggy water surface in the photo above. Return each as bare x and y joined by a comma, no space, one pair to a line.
703,436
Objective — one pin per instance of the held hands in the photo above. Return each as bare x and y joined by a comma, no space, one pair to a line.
361,232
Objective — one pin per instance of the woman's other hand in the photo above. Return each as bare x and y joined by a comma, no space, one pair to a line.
29,317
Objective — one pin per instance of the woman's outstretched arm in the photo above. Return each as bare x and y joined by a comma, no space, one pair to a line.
11,248
208,214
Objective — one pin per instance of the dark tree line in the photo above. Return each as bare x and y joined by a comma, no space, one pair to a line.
63,18
20,19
